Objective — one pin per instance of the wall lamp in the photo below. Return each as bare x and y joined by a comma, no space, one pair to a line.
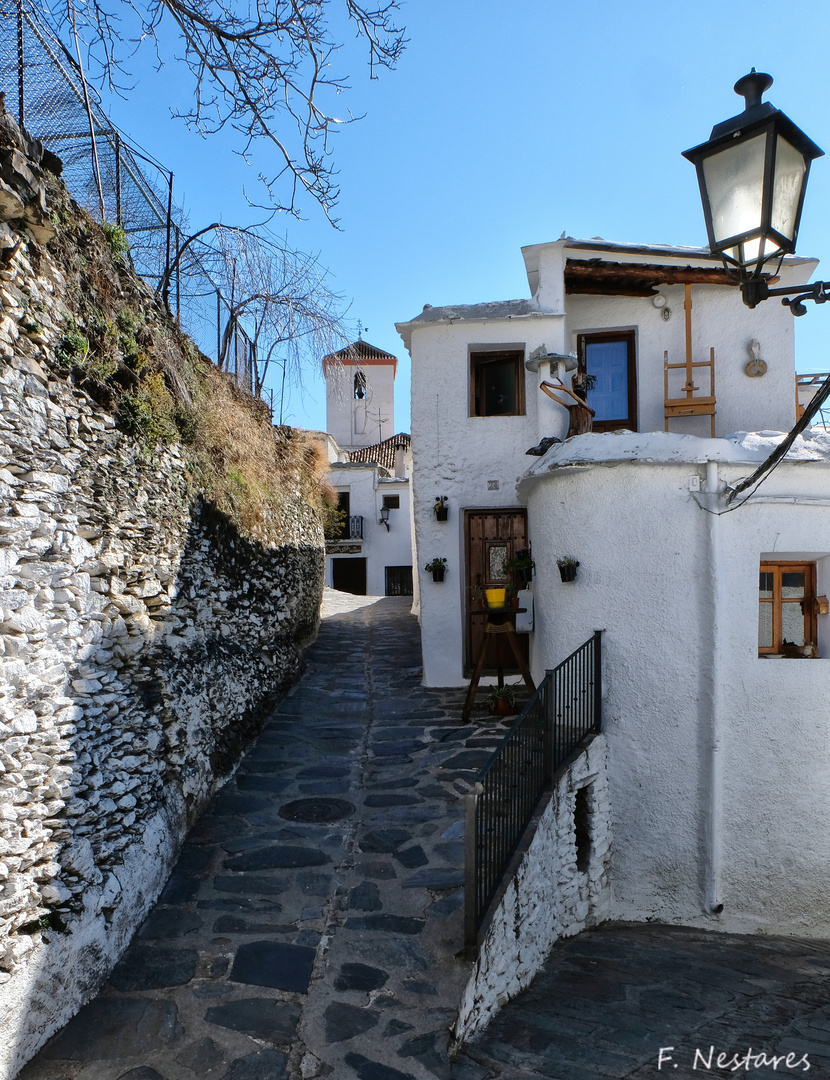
384,517
752,175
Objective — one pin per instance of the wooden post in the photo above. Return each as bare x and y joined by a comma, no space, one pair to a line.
687,307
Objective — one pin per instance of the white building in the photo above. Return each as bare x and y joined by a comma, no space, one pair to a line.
718,760
370,553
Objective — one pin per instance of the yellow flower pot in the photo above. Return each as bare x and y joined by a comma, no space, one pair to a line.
495,597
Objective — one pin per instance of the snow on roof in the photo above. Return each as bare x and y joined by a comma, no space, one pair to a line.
494,309
739,448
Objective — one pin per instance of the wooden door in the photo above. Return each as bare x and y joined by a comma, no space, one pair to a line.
491,537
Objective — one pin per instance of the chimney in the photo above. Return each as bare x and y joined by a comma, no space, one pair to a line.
400,459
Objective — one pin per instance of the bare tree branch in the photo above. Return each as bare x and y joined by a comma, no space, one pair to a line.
276,296
264,69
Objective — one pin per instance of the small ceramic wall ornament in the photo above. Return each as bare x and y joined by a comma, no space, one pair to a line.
756,366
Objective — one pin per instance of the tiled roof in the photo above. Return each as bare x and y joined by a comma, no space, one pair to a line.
360,352
383,452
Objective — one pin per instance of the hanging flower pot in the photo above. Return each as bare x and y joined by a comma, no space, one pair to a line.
440,509
567,569
438,567
521,566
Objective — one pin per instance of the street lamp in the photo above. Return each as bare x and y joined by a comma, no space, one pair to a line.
752,174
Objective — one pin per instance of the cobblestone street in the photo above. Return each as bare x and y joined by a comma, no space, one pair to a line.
292,948
285,948
610,999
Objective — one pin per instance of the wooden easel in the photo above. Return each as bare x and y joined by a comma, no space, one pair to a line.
499,621
690,405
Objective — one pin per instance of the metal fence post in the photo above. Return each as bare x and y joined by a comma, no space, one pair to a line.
471,873
218,328
21,109
598,680
118,218
547,705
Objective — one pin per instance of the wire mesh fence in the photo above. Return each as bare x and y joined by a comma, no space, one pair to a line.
108,175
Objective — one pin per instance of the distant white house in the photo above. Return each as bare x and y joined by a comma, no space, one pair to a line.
718,743
370,550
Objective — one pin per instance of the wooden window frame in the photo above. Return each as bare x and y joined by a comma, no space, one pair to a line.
479,359
628,336
777,568
392,502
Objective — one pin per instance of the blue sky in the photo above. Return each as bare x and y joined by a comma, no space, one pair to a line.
507,126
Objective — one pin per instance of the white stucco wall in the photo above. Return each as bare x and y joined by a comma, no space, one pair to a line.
549,898
462,457
380,548
719,320
676,590
352,422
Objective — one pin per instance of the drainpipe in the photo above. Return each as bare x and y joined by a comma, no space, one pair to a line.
713,901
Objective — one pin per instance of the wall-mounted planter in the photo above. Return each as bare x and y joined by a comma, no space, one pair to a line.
441,510
567,570
437,567
442,514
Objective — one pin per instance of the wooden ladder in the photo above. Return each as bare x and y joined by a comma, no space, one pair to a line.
690,405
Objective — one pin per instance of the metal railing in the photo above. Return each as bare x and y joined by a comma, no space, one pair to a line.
355,527
563,711
101,164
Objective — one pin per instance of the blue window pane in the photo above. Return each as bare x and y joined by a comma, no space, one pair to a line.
608,362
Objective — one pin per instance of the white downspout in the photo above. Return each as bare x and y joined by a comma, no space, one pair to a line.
713,901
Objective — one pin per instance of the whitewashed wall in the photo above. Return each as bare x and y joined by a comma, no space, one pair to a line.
352,422
549,898
676,590
462,456
380,548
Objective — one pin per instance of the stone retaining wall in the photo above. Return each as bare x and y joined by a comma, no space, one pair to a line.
141,636
560,888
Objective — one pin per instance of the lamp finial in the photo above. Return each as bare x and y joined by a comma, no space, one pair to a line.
752,86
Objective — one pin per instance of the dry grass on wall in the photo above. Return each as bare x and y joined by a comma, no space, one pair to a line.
123,349
254,472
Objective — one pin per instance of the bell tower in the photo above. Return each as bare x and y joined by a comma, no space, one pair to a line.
360,395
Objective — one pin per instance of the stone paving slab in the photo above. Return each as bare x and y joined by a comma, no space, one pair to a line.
608,1000
291,948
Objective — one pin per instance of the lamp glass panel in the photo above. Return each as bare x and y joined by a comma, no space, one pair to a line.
735,186
790,168
747,254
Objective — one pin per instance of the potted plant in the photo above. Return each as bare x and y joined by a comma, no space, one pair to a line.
440,509
501,701
522,565
438,568
496,598
567,568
